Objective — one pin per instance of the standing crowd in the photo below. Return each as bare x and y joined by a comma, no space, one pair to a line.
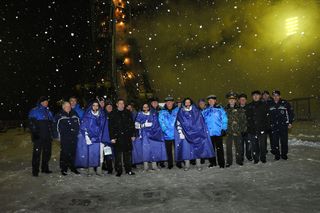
107,137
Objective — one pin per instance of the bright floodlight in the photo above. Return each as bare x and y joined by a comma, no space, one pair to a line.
292,25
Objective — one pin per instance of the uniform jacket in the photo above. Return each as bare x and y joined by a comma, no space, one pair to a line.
281,114
237,120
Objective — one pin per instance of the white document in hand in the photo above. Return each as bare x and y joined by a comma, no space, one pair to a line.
107,150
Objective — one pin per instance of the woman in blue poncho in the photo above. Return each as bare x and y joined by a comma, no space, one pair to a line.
149,146
93,135
192,140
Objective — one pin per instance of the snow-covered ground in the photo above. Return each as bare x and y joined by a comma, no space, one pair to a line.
282,186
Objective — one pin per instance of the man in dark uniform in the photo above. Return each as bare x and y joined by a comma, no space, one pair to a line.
242,99
237,125
122,131
67,125
40,124
281,116
258,124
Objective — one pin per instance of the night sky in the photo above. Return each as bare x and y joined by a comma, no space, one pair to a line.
190,48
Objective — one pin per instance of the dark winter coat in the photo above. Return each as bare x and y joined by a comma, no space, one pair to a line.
41,123
237,120
257,117
281,114
67,125
121,127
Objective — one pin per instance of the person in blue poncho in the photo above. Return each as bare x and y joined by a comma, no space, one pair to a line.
192,140
167,120
94,134
149,146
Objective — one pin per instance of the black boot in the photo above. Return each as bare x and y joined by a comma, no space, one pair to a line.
64,173
179,165
47,171
202,161
162,164
75,171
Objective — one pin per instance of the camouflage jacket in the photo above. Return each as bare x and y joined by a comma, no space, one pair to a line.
237,121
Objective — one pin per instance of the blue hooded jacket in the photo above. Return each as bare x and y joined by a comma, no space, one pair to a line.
216,119
41,113
79,111
167,120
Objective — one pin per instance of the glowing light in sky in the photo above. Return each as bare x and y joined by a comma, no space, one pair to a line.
292,25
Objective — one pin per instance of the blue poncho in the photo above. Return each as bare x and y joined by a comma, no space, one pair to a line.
192,140
149,146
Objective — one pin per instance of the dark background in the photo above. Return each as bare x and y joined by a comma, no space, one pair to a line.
189,48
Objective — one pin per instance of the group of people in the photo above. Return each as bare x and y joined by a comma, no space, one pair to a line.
184,133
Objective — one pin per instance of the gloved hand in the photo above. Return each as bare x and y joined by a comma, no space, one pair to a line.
179,128
223,132
148,124
88,141
181,135
137,125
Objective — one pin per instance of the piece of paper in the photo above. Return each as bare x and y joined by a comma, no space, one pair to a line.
107,150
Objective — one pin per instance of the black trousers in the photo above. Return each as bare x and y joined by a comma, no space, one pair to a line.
236,140
246,147
107,163
67,153
258,146
126,155
217,144
280,135
41,147
169,149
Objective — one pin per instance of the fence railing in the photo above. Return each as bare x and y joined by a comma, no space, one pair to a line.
306,109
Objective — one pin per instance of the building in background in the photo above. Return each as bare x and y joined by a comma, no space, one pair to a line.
116,68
